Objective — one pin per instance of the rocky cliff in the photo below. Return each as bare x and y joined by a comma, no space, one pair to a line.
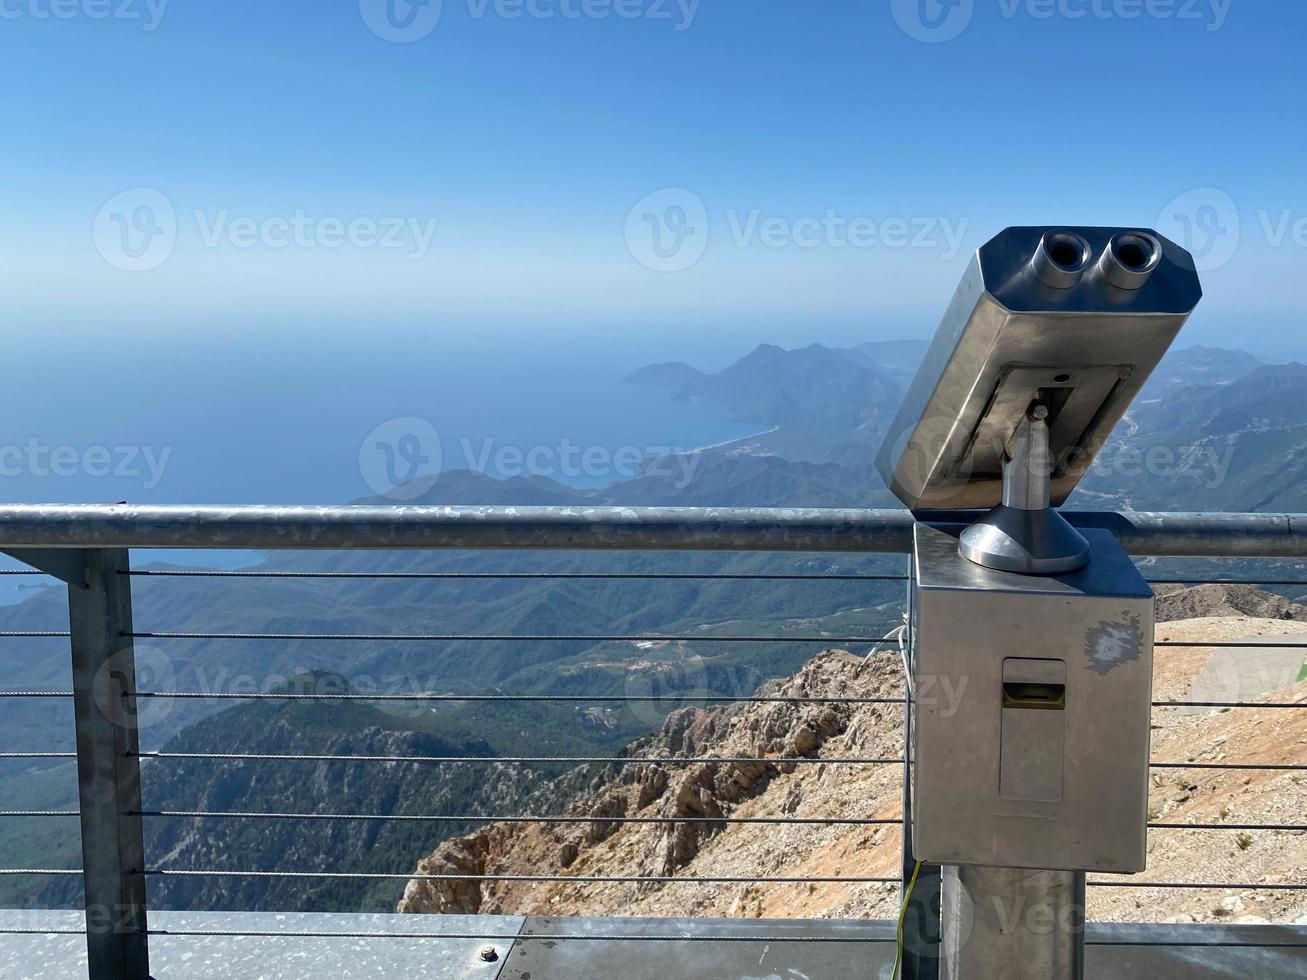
781,788
1205,601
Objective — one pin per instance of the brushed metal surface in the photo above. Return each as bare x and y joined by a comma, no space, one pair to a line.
852,949
273,527
1008,334
1032,542
967,621
1115,951
376,947
1008,924
108,767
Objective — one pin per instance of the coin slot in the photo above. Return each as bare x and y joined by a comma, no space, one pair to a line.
1045,697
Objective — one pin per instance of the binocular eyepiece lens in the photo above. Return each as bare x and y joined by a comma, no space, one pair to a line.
1061,259
1134,255
1130,259
1065,253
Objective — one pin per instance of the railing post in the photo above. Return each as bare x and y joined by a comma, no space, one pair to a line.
921,916
108,768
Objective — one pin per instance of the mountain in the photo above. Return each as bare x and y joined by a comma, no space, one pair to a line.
1236,445
322,728
1205,601
597,845
822,404
832,405
1198,366
775,731
313,728
749,472
676,375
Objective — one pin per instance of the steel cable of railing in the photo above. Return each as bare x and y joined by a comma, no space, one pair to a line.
687,700
536,878
40,871
595,819
600,638
636,879
682,699
639,879
527,819
511,576
564,820
615,576
579,760
504,637
626,760
614,937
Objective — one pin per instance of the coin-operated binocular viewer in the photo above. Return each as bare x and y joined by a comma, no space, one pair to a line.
1035,769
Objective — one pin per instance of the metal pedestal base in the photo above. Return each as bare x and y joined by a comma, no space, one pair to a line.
1030,542
1012,924
1024,534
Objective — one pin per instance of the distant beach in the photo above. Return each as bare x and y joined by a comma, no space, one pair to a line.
731,442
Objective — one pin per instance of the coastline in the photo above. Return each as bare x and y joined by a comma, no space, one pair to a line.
731,442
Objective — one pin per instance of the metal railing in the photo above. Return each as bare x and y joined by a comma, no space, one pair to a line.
88,548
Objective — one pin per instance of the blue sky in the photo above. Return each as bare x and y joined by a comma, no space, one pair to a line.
503,150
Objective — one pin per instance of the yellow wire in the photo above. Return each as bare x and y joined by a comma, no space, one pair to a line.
903,914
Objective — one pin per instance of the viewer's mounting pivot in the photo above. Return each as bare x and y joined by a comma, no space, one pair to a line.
1024,533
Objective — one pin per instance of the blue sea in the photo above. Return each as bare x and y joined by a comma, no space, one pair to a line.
283,420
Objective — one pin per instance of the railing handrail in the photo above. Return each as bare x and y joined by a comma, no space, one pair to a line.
385,526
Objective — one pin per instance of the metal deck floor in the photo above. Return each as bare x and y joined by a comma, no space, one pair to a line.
717,950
